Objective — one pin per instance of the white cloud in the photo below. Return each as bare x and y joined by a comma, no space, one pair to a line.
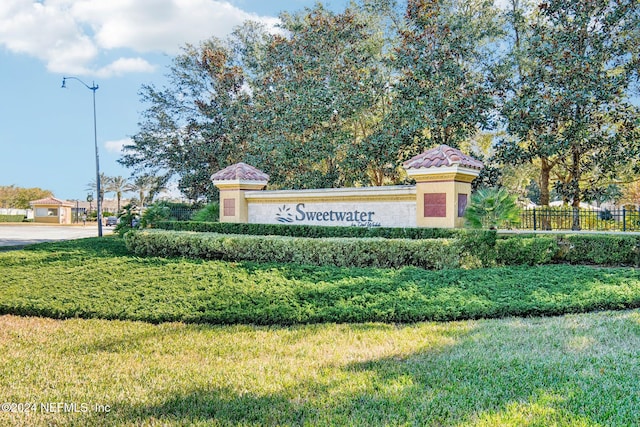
45,32
118,145
158,25
71,36
124,66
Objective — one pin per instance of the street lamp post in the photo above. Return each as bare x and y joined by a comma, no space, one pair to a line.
93,89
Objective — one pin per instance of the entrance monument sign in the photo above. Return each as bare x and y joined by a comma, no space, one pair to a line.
443,178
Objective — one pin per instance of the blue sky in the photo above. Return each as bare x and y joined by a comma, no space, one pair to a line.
46,132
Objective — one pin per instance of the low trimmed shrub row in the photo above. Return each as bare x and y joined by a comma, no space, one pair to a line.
477,245
433,254
605,249
469,249
526,251
11,218
310,230
601,249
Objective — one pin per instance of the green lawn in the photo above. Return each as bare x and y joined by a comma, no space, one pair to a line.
93,278
576,370
573,370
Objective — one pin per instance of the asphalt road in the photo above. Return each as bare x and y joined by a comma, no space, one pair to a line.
29,233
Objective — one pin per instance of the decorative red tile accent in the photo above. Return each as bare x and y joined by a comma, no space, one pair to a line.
435,205
229,207
442,155
240,171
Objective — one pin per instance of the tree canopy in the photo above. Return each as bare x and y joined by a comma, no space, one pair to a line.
332,99
568,106
12,197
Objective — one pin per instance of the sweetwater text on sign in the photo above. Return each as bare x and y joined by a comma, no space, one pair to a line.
362,214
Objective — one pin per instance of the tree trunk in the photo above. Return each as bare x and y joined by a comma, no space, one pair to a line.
545,172
575,187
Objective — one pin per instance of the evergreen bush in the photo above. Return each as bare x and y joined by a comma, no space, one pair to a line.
316,231
476,248
526,250
12,218
605,249
209,213
343,252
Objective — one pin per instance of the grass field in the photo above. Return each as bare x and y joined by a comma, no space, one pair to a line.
572,370
94,278
576,370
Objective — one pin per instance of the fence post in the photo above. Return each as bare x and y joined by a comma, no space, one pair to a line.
534,219
624,219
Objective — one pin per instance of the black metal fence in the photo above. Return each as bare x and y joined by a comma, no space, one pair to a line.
182,214
543,218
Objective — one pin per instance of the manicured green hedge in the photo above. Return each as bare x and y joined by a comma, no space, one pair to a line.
605,249
11,218
597,249
310,230
342,252
476,248
526,250
477,245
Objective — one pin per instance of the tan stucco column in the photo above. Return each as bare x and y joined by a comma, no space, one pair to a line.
233,182
442,195
443,178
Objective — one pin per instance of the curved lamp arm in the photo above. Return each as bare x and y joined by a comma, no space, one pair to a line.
64,83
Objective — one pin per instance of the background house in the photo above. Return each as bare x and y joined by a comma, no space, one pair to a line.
52,211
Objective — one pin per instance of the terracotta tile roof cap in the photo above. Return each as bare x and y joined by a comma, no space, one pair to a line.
240,171
442,156
51,201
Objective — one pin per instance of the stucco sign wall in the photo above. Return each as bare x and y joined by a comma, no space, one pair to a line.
398,214
443,178
392,206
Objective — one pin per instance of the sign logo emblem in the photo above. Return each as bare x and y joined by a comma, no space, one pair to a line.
284,215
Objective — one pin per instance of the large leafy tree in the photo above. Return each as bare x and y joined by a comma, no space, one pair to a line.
317,91
569,107
13,197
193,126
334,99
442,96
372,156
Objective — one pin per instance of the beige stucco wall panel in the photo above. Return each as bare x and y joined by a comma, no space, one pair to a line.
390,206
452,189
237,196
332,213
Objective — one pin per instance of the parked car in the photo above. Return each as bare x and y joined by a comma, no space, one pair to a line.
112,220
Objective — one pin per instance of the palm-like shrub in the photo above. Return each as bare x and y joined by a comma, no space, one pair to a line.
159,211
210,213
492,208
129,219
